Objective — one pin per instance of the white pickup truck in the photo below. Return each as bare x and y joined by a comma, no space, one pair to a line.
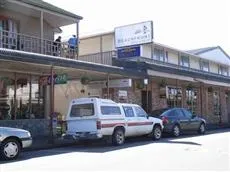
94,118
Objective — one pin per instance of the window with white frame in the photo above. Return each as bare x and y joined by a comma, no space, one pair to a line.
184,61
160,55
204,65
223,70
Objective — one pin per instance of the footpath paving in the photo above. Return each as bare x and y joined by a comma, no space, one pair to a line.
47,143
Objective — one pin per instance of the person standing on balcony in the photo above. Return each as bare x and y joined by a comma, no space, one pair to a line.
73,43
57,47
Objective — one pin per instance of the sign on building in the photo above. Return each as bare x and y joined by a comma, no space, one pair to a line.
57,79
119,83
134,34
129,52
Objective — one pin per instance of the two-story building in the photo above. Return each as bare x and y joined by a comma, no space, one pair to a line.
196,79
33,66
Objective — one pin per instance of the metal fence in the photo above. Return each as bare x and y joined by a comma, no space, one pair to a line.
33,44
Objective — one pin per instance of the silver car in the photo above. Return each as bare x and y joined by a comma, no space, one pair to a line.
12,140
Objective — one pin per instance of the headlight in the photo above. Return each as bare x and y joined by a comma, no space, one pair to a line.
28,134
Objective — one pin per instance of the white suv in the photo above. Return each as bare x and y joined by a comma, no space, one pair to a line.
94,118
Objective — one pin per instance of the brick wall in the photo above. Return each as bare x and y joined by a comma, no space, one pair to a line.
37,127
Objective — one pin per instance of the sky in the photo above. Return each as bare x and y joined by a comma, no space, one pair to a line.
182,24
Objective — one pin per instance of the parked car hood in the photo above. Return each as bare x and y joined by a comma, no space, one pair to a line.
9,129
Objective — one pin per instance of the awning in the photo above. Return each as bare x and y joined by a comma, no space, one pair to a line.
215,83
172,76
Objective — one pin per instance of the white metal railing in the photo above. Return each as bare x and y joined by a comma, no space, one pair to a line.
22,42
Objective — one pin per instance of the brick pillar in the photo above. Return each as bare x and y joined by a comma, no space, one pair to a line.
223,106
184,99
157,102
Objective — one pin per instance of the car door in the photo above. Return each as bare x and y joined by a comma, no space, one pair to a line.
183,119
144,125
131,121
193,121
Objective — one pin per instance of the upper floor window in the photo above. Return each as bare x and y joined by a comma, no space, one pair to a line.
160,55
184,61
223,70
204,65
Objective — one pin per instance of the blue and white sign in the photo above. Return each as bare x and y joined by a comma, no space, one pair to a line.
135,34
129,52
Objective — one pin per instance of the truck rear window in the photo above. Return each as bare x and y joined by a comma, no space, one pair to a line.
110,110
80,110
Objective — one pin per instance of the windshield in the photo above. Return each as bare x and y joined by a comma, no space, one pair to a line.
79,110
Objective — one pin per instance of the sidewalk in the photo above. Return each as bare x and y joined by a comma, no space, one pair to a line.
47,143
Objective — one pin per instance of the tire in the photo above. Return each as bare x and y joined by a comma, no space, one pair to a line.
118,137
202,128
156,133
10,149
176,130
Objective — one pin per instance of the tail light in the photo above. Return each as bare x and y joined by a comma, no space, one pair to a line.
165,120
98,125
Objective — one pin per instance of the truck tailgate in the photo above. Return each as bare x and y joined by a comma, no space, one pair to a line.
82,125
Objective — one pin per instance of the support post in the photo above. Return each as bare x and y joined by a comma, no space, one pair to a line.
77,33
108,86
30,96
51,103
42,32
15,98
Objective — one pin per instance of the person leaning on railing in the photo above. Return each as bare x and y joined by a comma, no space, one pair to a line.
57,46
73,43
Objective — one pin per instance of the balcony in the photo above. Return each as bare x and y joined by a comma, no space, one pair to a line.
21,42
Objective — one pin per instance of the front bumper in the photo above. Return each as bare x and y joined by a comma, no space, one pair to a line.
26,142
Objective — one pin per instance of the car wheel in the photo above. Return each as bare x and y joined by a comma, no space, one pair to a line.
156,133
118,137
202,128
10,149
176,131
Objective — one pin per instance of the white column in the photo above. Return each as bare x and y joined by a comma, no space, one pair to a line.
77,34
41,32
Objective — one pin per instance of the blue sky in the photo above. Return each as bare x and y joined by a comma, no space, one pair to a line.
183,24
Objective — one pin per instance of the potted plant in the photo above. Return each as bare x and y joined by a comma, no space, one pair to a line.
140,84
210,89
190,86
85,80
162,83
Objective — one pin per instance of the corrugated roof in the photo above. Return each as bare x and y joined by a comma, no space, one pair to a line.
50,7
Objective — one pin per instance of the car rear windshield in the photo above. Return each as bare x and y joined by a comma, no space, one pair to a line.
79,110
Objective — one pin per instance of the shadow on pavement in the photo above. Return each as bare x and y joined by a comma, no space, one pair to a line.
102,147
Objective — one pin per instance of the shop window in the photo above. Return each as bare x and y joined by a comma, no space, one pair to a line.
191,100
20,97
174,97
6,96
204,65
184,61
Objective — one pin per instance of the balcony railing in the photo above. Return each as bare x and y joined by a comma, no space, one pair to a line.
33,44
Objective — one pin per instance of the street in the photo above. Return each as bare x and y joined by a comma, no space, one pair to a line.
189,152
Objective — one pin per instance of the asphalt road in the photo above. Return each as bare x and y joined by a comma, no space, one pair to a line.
190,152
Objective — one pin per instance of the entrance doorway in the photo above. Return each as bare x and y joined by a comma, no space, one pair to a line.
146,102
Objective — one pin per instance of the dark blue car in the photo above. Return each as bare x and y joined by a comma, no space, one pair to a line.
177,120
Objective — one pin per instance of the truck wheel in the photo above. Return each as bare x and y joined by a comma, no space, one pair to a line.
156,133
10,149
118,137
